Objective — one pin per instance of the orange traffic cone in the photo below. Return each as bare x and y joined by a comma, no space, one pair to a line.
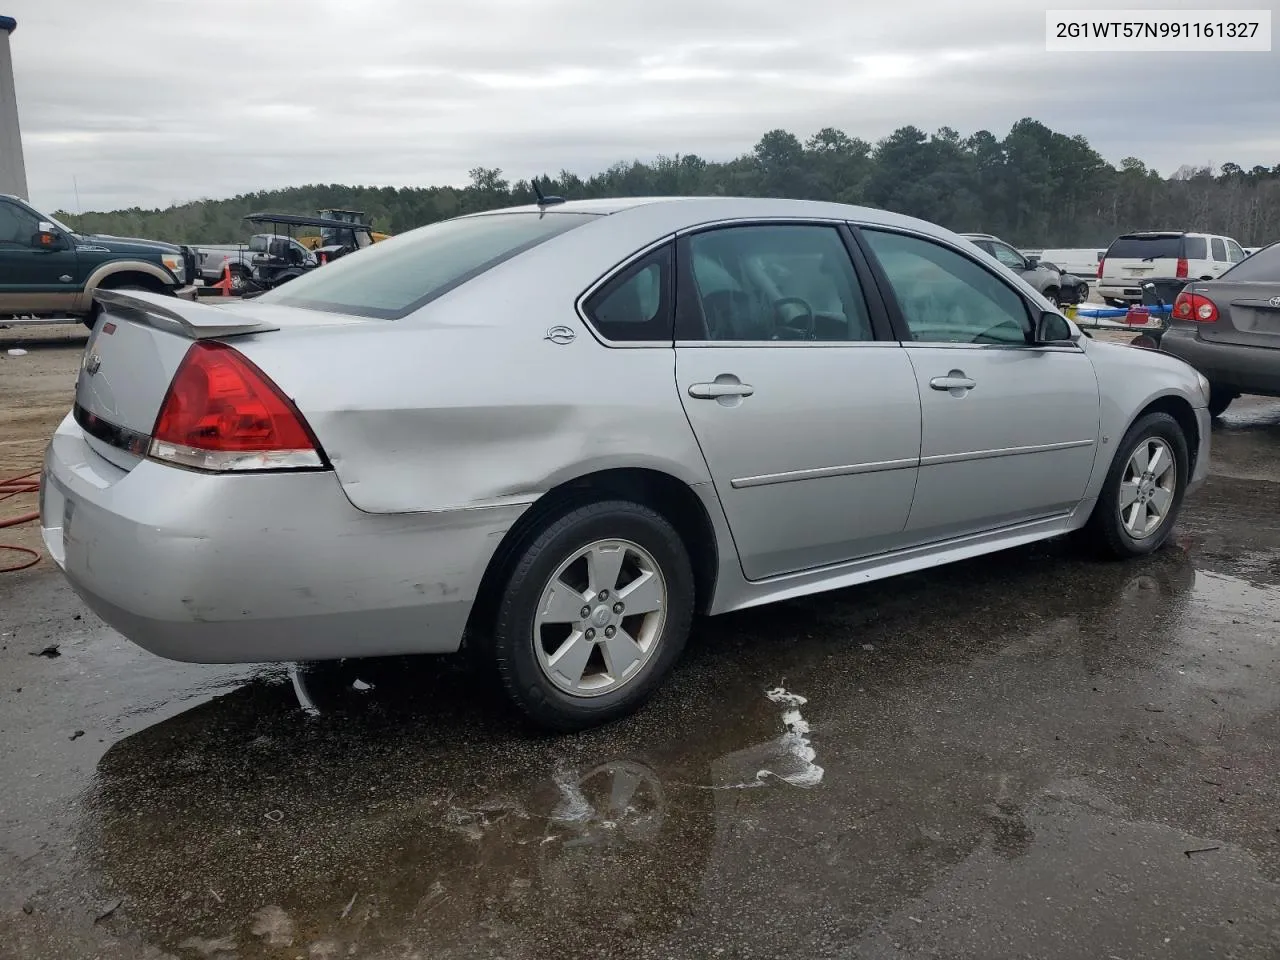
225,283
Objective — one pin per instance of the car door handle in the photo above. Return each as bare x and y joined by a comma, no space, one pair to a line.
955,381
713,391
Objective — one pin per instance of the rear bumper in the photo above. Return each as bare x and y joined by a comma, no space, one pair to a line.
1111,290
1246,369
245,569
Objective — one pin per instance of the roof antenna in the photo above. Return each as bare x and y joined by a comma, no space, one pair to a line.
544,201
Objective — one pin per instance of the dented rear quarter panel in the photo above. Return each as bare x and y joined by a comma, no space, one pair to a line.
466,404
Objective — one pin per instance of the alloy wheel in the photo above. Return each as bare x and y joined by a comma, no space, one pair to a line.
600,618
1147,488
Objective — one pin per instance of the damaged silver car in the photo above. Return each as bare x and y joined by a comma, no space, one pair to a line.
563,430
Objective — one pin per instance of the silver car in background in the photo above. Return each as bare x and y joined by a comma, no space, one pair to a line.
561,430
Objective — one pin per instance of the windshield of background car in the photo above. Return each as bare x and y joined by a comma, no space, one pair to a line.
1263,266
397,276
1146,248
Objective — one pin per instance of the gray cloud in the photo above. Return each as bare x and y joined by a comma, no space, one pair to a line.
157,101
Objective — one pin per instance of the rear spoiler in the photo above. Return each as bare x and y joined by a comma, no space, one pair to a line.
195,321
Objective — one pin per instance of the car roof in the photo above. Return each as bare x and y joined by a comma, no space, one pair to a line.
681,212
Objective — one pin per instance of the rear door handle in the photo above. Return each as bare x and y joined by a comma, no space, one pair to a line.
713,391
954,381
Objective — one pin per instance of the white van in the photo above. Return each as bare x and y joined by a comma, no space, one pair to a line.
1135,257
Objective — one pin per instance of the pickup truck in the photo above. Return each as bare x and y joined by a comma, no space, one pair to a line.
48,270
240,258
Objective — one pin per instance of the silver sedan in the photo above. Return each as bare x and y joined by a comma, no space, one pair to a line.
559,431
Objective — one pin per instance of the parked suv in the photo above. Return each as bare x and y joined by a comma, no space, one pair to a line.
1044,277
47,269
1135,257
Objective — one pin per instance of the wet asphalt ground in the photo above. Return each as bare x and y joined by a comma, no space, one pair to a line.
1028,755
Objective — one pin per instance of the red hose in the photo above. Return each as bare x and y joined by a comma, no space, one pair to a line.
12,488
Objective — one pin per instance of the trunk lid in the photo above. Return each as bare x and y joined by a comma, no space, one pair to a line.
1248,313
136,348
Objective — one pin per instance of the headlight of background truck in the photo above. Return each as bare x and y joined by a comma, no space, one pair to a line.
176,266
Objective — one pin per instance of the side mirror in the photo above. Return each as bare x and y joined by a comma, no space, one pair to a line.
48,240
1033,262
1053,328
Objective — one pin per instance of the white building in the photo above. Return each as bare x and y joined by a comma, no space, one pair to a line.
13,171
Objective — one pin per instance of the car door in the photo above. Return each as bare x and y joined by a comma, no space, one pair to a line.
1009,429
33,278
805,408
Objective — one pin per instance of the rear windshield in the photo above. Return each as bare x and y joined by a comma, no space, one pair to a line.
1263,265
397,276
1146,248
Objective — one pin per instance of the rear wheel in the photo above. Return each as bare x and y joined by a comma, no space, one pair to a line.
1142,494
594,614
1219,399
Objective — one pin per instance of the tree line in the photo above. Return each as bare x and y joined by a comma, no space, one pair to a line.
1035,188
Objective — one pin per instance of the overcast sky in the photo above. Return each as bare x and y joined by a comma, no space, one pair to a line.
151,102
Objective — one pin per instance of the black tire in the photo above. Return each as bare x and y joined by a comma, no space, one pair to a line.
1105,531
1219,399
511,642
1082,293
1053,297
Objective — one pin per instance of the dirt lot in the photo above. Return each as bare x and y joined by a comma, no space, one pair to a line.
35,393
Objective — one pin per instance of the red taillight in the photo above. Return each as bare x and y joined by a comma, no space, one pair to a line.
1181,272
1194,307
1100,263
222,413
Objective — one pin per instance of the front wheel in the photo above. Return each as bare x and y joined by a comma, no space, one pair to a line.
1142,494
1053,297
594,614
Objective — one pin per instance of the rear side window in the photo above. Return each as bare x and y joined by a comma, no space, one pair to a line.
397,276
1262,266
1160,247
1219,249
636,304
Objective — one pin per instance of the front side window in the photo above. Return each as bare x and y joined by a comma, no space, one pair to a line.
1235,253
636,305
1010,257
946,297
397,276
1219,250
771,282
17,226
